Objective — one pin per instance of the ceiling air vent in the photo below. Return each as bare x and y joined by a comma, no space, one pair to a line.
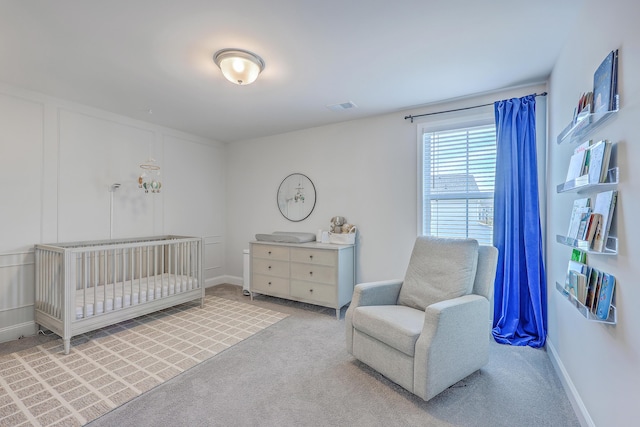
342,106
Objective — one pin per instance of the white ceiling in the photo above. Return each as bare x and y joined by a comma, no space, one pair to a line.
132,56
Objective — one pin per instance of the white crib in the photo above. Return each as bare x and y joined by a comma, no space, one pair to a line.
84,286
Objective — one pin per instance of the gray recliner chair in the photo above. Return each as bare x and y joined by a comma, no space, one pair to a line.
433,328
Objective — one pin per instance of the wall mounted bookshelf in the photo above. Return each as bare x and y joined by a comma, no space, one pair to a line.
586,287
581,185
585,312
585,125
610,247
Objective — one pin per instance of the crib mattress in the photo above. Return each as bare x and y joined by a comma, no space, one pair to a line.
92,301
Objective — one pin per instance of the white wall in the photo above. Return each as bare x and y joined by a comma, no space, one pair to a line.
365,170
57,162
599,363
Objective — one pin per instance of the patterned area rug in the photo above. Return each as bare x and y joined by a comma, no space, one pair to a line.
41,386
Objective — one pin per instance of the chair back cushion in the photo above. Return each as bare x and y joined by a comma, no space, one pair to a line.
486,273
439,269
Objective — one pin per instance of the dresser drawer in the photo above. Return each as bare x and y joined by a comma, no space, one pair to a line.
269,285
314,273
314,256
271,252
324,294
270,267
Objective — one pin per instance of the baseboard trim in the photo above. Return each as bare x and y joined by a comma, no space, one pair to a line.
574,397
215,281
14,332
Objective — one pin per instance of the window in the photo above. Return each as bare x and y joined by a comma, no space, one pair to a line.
458,175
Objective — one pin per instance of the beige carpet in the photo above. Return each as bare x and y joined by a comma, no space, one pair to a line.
41,386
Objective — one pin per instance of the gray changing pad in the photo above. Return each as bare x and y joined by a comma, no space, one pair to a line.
286,237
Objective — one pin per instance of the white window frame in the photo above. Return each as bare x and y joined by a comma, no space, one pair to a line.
482,117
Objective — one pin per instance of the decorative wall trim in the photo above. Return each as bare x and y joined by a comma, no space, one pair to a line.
17,307
574,397
16,259
213,240
14,332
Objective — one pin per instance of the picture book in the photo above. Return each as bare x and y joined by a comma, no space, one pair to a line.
578,255
604,205
591,287
581,284
572,285
596,292
574,221
602,85
614,85
599,155
575,267
583,147
576,166
579,223
592,227
606,295
598,242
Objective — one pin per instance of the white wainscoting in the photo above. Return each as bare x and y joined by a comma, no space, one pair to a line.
213,260
59,160
17,284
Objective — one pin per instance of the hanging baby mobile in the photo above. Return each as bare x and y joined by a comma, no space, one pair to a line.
149,179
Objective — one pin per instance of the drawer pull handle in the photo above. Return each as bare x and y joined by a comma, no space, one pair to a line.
269,252
269,267
311,273
269,283
310,256
311,290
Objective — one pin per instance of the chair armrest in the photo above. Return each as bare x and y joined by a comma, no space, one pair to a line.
372,293
460,316
453,344
376,293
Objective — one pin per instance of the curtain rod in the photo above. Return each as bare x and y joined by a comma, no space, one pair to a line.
459,109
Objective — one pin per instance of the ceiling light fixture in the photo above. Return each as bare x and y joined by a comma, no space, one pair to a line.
239,66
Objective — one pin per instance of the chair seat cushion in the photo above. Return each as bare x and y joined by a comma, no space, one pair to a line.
439,269
398,326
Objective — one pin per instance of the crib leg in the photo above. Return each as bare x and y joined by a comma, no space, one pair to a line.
202,302
67,345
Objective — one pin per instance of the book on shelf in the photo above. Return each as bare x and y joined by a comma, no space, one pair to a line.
614,84
572,283
581,284
578,209
592,227
576,166
574,267
583,147
577,286
605,296
599,154
605,84
591,287
605,203
584,223
596,292
579,219
598,242
578,255
583,109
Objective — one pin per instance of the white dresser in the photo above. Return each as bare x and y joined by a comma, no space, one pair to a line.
316,273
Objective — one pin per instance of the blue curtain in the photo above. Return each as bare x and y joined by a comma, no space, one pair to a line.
520,307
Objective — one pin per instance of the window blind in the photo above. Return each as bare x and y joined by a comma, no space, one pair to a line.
458,182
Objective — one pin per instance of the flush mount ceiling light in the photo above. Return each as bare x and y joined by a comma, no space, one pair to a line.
239,66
